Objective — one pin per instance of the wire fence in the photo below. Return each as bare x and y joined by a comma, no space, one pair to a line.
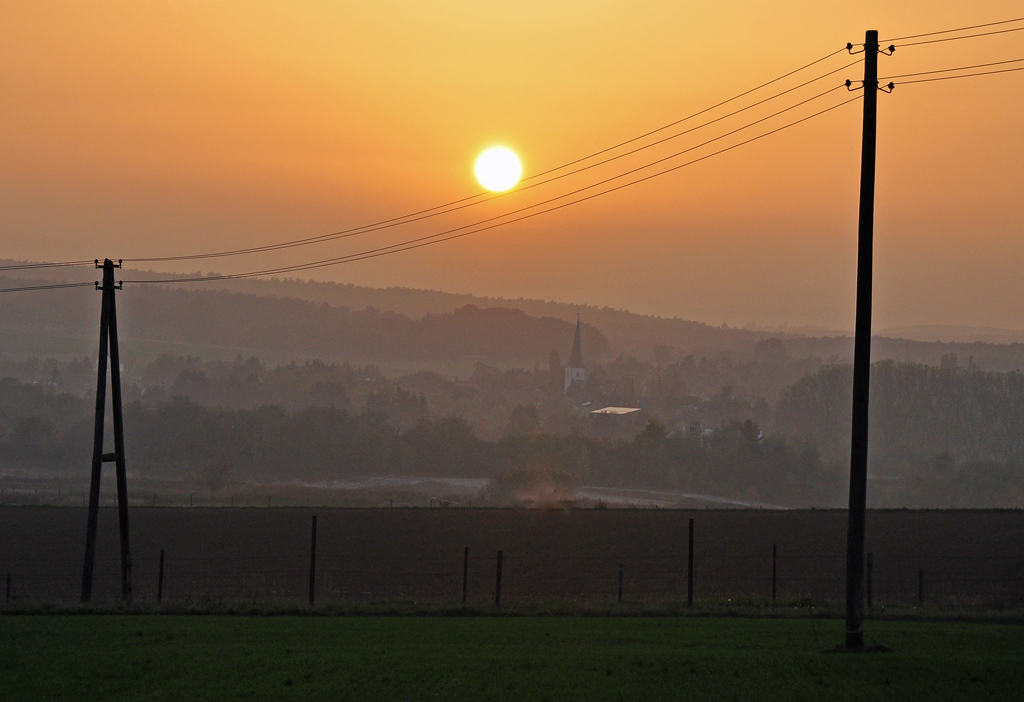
443,575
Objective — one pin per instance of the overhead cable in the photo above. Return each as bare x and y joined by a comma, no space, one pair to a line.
951,31
440,237
388,225
966,36
966,75
397,221
634,170
54,286
31,266
697,114
950,70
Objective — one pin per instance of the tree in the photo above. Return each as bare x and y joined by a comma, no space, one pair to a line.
524,421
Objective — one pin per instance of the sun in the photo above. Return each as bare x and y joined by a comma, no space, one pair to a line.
498,169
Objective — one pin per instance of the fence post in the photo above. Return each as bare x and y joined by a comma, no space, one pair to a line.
689,569
160,580
620,583
870,570
312,565
775,570
497,585
465,572
920,587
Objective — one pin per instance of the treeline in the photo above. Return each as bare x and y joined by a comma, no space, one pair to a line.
210,319
626,333
735,460
42,429
244,383
180,439
942,436
916,411
706,390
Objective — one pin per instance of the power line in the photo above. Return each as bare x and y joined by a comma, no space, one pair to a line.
414,243
345,234
54,286
966,75
966,36
579,190
375,254
437,238
635,170
950,31
949,70
697,114
31,266
396,221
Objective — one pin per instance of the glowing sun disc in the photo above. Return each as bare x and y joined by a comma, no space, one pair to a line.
498,169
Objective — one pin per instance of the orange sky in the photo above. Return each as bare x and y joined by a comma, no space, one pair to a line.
140,129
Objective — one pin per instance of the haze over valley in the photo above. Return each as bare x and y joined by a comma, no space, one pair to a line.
291,382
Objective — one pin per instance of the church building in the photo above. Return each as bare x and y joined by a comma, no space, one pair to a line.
574,370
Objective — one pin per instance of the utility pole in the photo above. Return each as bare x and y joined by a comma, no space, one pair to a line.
862,357
108,343
312,565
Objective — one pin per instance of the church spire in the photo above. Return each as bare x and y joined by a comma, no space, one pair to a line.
576,358
574,371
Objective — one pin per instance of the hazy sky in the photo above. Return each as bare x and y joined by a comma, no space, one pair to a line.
144,129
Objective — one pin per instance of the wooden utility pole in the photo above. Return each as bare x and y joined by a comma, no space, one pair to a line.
775,570
497,582
871,567
689,568
160,580
108,344
862,356
312,565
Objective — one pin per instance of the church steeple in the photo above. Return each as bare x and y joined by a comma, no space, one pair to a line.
576,358
575,372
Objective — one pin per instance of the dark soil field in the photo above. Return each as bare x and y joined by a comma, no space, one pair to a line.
262,555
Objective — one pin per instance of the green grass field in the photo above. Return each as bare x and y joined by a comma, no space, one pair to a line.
169,657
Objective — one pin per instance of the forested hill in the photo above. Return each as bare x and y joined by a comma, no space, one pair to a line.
57,315
628,333
158,318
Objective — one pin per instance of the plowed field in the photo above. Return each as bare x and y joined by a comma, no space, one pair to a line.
967,557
